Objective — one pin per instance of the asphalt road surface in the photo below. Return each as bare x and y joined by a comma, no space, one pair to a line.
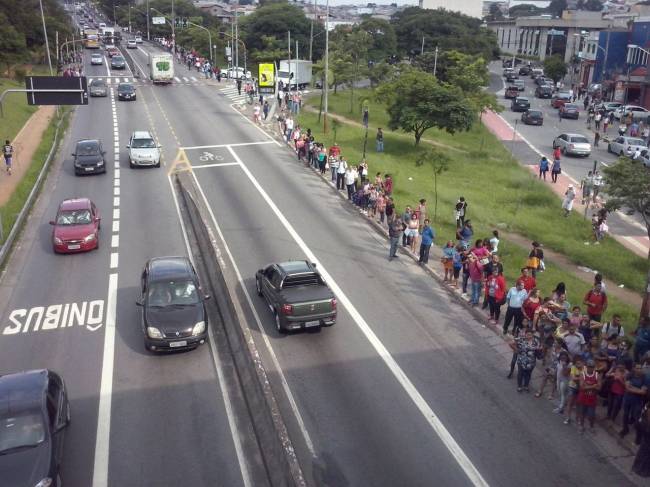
406,389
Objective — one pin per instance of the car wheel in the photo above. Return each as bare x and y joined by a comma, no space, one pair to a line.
622,153
278,323
131,165
609,148
158,164
257,287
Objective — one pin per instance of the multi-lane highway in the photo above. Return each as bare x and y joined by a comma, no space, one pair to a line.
406,389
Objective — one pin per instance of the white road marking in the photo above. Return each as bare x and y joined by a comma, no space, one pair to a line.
636,243
41,318
267,343
108,69
256,126
116,201
117,174
115,240
243,465
177,79
100,469
429,415
193,78
114,259
116,182
116,190
116,213
185,79
227,145
219,164
116,226
108,81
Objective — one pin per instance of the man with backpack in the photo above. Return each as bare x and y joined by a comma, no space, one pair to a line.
8,153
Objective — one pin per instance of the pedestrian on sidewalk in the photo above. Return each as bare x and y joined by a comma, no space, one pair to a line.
597,119
598,184
394,233
589,384
390,209
596,139
350,176
334,165
460,212
596,302
567,203
380,206
543,167
515,300
380,140
635,392
265,109
641,465
556,170
448,260
586,185
476,275
340,174
239,86
428,236
527,348
8,153
495,290
606,123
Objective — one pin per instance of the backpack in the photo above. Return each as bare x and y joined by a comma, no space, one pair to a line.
7,150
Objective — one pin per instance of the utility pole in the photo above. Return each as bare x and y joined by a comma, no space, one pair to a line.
327,56
173,30
422,48
435,61
57,50
129,19
289,56
148,37
237,41
311,32
47,42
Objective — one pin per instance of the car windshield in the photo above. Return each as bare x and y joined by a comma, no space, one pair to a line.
522,100
125,88
172,293
74,217
21,430
534,114
143,144
579,140
98,83
87,149
636,142
118,59
569,106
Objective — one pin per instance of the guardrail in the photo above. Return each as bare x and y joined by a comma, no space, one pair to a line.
7,245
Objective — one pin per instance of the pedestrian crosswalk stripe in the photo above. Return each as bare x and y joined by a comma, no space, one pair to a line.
108,81
193,78
185,79
177,79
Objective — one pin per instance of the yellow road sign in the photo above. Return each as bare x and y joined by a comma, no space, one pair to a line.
181,163
267,75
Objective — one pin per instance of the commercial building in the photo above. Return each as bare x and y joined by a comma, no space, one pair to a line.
473,8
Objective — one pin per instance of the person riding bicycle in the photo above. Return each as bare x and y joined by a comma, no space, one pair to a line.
8,152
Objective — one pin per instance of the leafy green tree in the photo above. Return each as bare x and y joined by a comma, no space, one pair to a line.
448,30
627,185
356,43
12,45
590,5
556,7
342,69
384,41
495,12
555,67
381,72
417,101
525,10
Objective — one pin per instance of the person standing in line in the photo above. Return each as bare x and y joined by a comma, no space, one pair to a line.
390,209
340,174
495,290
350,178
380,140
526,348
543,168
394,233
641,465
476,275
380,206
388,185
635,393
567,202
334,166
422,214
494,242
596,302
8,153
589,384
515,300
428,236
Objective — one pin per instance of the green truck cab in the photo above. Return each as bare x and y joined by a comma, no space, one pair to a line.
297,295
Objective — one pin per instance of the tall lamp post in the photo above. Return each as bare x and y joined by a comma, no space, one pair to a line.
327,58
209,38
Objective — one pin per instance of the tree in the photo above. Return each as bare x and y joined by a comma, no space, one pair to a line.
380,72
341,67
591,5
556,7
356,43
627,185
495,12
384,42
555,67
524,10
417,101
439,162
12,45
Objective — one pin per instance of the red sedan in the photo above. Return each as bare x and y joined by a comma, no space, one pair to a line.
76,228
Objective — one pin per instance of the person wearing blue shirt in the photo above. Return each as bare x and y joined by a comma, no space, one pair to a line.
428,236
515,299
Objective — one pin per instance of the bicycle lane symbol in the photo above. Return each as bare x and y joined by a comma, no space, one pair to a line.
209,156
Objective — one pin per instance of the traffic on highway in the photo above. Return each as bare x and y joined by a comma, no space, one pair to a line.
118,367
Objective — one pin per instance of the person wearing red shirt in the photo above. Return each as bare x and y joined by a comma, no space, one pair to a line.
335,151
531,304
495,290
596,302
528,280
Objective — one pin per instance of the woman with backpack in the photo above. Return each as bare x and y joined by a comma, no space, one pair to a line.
543,168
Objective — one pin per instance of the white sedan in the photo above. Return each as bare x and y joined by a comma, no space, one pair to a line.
575,144
626,146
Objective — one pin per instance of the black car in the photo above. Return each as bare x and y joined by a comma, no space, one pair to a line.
118,62
544,91
173,308
525,70
126,91
511,76
89,157
541,80
34,413
532,117
520,104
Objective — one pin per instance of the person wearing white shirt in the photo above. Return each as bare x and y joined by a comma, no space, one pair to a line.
515,299
350,179
340,173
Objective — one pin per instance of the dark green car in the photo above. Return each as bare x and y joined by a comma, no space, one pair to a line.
297,295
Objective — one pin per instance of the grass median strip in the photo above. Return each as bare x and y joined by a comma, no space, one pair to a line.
16,111
501,194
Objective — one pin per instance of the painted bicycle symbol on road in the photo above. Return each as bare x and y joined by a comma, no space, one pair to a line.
209,156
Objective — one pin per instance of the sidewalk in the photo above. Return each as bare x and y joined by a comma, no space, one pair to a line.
25,144
633,237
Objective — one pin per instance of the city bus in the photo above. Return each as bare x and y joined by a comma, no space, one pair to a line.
91,40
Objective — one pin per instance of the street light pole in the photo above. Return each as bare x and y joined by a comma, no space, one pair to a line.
47,42
173,29
435,61
209,38
327,56
148,38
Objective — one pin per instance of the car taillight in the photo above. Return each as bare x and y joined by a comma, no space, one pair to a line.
287,309
333,303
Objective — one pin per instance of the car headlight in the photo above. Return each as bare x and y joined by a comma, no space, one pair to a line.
198,328
46,482
58,241
100,163
89,238
153,332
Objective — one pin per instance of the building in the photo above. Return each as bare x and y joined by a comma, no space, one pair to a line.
473,8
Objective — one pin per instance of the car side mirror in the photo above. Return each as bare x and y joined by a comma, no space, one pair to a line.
314,264
128,146
98,219
138,302
159,146
103,152
52,222
206,296
74,154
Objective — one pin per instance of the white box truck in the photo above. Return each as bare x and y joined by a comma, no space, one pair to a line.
301,70
161,67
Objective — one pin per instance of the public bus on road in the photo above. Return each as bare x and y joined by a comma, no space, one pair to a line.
91,39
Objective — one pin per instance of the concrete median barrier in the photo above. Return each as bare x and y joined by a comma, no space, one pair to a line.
275,445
